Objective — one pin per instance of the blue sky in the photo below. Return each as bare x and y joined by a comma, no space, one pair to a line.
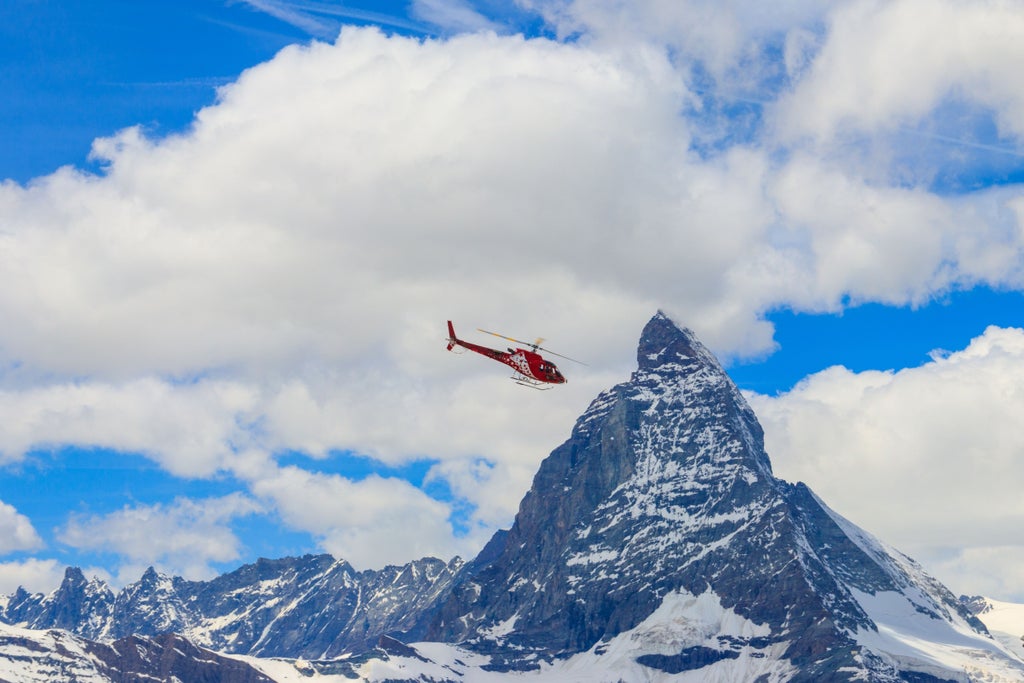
231,238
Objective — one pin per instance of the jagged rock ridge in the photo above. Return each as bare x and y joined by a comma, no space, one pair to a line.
312,606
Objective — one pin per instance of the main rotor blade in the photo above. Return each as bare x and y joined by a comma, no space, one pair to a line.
536,345
561,356
517,341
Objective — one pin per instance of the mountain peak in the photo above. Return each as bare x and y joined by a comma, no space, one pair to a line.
667,346
603,517
660,510
676,372
663,340
73,577
150,576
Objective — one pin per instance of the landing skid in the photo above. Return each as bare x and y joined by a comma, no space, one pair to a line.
521,379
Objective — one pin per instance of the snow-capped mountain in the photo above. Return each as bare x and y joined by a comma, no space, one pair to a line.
659,530
312,606
655,544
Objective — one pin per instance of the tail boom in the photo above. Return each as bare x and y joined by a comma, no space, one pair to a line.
452,339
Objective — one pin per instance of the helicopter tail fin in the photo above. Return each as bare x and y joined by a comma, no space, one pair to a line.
452,339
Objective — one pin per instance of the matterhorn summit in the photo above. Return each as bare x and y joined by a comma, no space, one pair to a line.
657,540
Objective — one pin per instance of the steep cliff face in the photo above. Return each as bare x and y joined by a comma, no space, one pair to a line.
664,490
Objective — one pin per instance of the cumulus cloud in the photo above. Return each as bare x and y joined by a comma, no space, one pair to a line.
843,238
525,175
719,35
181,538
370,523
16,531
927,458
33,574
277,277
190,429
889,64
268,234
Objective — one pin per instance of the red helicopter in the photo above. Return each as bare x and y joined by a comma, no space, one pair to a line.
531,369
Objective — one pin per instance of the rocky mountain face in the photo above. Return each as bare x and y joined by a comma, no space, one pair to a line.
654,543
664,490
313,606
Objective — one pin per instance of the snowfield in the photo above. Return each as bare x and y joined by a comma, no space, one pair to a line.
28,656
915,642
906,637
1005,621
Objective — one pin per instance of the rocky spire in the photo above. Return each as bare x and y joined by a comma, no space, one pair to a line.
656,469
664,490
77,604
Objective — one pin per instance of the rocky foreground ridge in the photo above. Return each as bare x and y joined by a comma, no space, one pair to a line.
654,544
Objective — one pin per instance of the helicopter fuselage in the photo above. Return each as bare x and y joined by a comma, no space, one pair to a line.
529,364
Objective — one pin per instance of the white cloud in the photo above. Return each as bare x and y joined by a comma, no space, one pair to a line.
841,237
278,276
927,458
342,201
893,63
369,523
300,15
190,429
456,16
324,19
268,234
721,35
182,538
33,574
495,489
209,426
990,570
16,531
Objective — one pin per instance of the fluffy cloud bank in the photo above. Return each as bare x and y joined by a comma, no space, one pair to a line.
929,457
181,537
277,277
341,201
